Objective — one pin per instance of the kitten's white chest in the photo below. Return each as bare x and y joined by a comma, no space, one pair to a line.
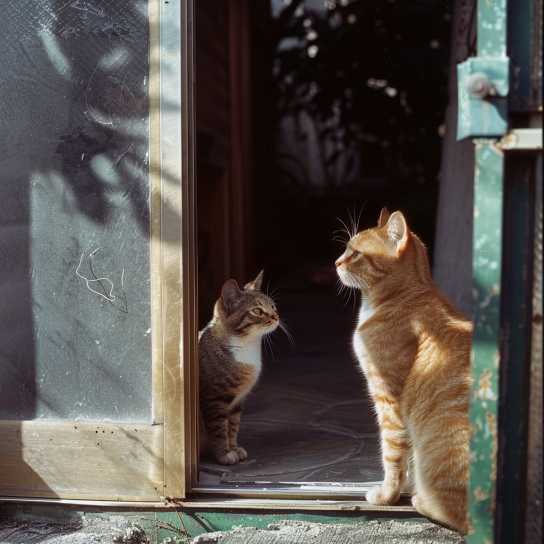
365,313
249,354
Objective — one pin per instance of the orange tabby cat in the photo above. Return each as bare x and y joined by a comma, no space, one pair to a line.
414,350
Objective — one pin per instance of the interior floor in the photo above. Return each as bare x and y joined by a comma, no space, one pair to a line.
310,418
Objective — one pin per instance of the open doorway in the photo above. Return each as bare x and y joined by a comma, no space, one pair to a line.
310,112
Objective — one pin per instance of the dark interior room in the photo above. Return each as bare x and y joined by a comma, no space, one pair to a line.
311,116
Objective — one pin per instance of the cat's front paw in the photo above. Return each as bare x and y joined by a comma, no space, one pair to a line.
228,458
242,453
382,496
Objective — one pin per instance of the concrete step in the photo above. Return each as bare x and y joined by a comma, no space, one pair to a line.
371,532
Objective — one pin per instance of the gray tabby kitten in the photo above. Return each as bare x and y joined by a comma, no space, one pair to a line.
230,364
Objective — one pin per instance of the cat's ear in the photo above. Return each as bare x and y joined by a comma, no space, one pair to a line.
384,217
397,231
230,293
256,284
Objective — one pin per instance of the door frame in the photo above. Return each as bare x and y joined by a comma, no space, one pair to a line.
137,463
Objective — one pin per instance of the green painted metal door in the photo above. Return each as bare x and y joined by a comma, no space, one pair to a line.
497,106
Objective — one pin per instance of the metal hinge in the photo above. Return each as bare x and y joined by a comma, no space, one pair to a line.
482,84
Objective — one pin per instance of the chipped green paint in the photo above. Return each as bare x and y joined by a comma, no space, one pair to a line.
492,28
487,267
487,249
483,81
483,116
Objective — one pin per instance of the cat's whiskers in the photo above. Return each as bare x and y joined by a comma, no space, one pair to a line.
359,283
268,344
339,240
355,300
348,298
340,235
272,294
348,231
353,229
355,221
267,290
284,328
345,292
340,287
346,228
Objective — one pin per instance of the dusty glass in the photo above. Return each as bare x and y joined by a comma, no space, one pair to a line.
75,327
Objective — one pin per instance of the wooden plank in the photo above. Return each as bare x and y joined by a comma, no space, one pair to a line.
81,460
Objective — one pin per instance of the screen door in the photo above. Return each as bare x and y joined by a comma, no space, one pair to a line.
91,247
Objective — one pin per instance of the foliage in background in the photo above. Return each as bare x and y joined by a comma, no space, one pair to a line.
372,75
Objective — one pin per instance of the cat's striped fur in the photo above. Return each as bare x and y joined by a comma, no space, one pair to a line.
414,349
230,364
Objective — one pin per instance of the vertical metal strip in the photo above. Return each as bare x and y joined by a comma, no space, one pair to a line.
486,262
525,52
533,519
491,38
516,306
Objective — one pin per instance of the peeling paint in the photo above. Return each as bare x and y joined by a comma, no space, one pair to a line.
485,390
488,201
492,426
483,115
480,495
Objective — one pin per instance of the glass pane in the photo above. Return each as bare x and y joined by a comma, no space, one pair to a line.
74,210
